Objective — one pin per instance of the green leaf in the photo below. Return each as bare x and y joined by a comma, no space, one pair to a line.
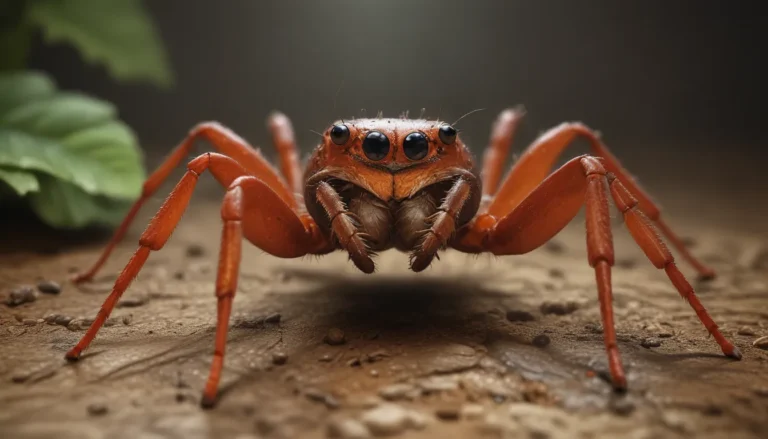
21,182
119,34
87,164
67,207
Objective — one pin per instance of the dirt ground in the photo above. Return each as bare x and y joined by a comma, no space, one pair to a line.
430,355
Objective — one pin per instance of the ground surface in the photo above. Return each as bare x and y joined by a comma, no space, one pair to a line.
431,355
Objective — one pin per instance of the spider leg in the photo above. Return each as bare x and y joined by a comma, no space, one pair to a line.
285,142
553,204
346,227
495,155
224,141
443,224
538,159
250,204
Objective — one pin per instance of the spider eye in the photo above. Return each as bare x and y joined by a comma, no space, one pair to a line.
339,134
376,145
415,146
447,134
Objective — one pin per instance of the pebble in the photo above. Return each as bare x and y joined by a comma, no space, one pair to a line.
127,319
273,318
279,358
49,287
519,316
63,320
396,391
195,250
761,343
746,330
541,341
132,302
29,322
554,246
334,337
558,308
556,273
376,355
354,362
326,358
347,429
761,391
448,413
438,383
97,409
472,411
650,343
319,396
21,295
622,406
386,420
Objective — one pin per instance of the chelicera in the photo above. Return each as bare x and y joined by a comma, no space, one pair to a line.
409,184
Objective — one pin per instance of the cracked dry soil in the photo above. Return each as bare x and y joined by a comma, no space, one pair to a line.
473,347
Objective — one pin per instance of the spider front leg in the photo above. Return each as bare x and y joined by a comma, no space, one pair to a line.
551,206
251,208
537,161
228,143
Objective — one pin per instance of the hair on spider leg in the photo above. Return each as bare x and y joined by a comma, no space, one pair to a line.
315,132
421,113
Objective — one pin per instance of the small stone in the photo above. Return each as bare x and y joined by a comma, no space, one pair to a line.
556,273
761,391
347,429
746,330
319,396
49,287
273,318
472,411
554,246
335,337
326,358
665,334
541,341
519,316
133,302
650,343
374,373
354,362
21,295
97,409
29,322
51,319
395,392
622,406
63,320
279,358
438,383
20,377
386,420
127,319
448,413
558,308
195,250
376,355
75,325
761,342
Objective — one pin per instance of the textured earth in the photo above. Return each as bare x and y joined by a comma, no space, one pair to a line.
473,347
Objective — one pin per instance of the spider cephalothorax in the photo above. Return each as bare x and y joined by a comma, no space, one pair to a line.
374,184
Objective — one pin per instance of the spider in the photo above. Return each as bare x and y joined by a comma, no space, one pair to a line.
411,184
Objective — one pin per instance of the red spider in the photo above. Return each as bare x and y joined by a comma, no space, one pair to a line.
411,184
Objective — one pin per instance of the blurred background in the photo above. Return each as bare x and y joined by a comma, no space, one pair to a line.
676,88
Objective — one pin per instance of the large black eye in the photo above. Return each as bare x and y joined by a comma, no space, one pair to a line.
339,134
415,146
376,145
447,134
